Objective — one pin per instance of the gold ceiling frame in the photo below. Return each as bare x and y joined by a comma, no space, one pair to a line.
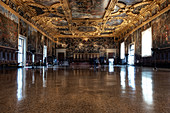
73,29
67,12
86,23
108,11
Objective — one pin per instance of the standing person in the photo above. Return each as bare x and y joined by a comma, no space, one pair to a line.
91,62
97,62
94,62
102,62
45,61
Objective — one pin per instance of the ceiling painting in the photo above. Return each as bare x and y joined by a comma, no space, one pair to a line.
86,29
130,2
46,2
88,8
86,18
114,22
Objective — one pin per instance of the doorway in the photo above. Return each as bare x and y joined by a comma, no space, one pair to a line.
22,51
131,54
61,56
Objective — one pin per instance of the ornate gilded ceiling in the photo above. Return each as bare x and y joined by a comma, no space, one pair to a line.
86,18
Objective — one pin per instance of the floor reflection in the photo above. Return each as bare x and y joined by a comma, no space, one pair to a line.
147,87
123,77
111,67
33,78
131,76
21,84
44,77
125,89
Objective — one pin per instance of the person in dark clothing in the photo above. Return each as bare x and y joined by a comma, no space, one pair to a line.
91,62
45,61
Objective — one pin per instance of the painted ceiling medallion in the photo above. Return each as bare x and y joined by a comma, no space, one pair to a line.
86,29
130,2
88,8
114,22
46,2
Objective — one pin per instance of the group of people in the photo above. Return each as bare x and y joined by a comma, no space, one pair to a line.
96,62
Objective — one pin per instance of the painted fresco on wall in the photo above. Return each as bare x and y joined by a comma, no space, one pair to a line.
160,34
23,28
32,35
8,14
161,31
8,32
86,45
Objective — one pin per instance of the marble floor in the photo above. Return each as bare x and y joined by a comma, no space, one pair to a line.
113,89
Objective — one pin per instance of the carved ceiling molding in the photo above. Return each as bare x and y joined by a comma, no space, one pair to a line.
92,18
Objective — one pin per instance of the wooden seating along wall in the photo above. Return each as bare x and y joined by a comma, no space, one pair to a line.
8,57
37,58
85,56
161,58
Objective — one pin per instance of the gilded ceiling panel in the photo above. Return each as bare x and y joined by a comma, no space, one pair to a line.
88,8
114,22
60,22
46,2
86,29
130,2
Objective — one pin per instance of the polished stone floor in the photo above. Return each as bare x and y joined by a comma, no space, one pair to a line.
113,89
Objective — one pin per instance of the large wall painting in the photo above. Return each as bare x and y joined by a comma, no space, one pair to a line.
32,35
8,14
8,32
86,45
161,31
23,28
160,34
